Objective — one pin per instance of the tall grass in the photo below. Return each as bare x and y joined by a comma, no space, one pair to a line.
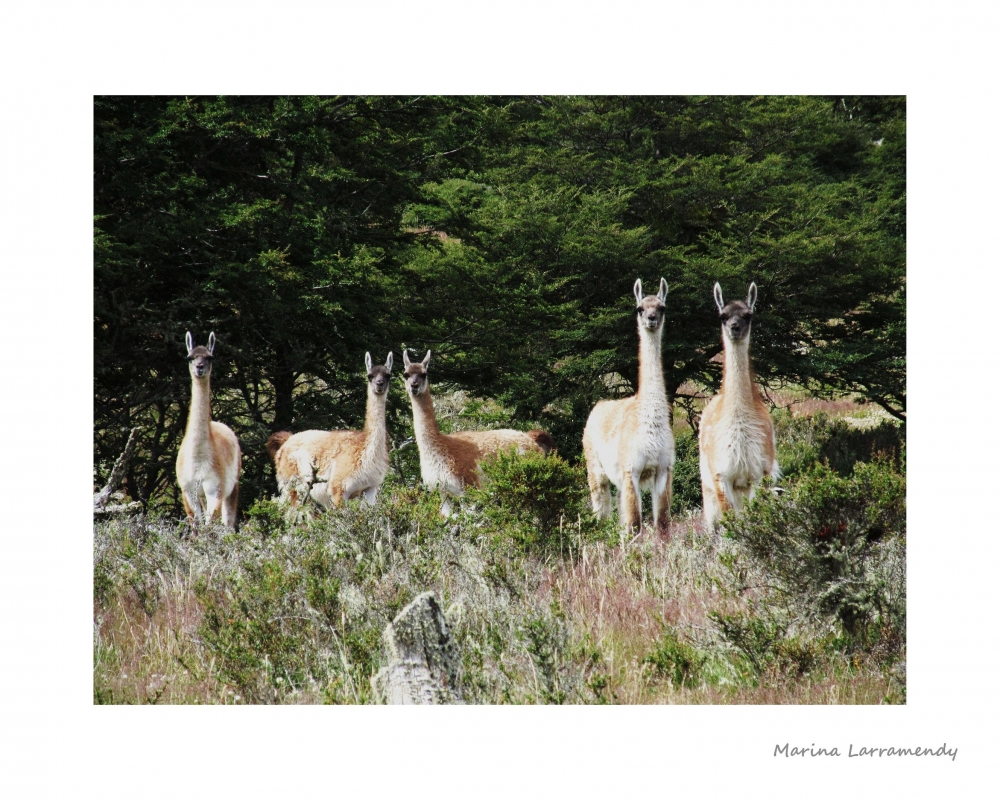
546,605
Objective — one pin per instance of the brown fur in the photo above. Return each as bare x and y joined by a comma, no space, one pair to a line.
628,443
450,462
333,466
736,436
209,461
274,442
543,439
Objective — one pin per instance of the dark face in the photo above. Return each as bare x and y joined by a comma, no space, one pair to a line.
736,317
378,379
651,312
200,362
415,379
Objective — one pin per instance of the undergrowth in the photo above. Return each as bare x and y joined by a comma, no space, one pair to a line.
801,600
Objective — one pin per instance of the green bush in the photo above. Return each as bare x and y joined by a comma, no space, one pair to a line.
754,636
675,661
687,476
267,513
545,637
845,446
255,635
805,441
835,547
762,641
529,497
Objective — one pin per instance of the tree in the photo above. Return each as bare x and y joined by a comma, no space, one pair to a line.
265,219
505,233
576,197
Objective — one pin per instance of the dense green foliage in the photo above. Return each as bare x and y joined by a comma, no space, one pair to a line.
830,550
804,441
530,498
502,233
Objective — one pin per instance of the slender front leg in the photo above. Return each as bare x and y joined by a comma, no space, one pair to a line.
230,507
600,494
193,509
630,508
662,489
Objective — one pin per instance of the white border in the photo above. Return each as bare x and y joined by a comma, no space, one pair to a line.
56,56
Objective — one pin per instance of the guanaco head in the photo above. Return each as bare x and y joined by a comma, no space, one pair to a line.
736,315
200,358
378,376
415,374
652,308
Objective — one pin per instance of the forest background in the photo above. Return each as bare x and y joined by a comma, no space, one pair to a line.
502,233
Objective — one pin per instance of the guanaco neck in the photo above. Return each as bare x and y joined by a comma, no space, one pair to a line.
200,416
737,380
375,434
425,426
652,389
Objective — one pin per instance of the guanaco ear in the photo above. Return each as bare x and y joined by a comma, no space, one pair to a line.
406,358
637,290
211,342
663,291
752,296
427,360
189,342
368,361
717,293
388,362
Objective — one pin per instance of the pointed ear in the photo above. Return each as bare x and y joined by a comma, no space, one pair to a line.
663,291
752,296
637,290
211,343
189,342
368,361
717,294
427,359
388,362
406,358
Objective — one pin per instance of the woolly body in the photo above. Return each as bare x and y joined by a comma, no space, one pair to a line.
209,459
333,466
450,462
629,442
736,437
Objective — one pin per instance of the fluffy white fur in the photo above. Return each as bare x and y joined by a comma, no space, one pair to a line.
629,442
209,459
333,466
736,438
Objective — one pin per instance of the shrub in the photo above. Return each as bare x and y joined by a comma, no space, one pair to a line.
845,446
687,476
545,637
527,497
267,513
256,637
835,547
675,661
755,637
805,441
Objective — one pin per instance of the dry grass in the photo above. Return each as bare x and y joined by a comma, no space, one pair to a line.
602,619
154,658
577,629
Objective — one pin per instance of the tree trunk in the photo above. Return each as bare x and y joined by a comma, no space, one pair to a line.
421,660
